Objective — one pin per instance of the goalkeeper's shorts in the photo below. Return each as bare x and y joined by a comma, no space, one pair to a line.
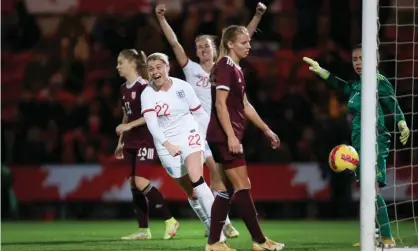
382,147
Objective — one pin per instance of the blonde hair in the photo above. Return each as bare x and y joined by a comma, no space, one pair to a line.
158,56
212,41
140,60
229,34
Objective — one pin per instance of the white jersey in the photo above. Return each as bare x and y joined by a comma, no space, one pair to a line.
173,109
198,78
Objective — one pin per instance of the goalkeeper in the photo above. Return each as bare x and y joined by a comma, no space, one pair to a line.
387,99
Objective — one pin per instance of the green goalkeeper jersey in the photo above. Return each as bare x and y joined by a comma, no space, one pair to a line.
386,98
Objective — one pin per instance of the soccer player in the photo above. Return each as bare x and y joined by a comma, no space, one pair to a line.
136,145
386,99
197,74
226,128
178,124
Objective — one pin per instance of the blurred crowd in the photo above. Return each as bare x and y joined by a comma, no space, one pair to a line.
60,89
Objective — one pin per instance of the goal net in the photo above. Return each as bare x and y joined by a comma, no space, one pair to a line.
398,33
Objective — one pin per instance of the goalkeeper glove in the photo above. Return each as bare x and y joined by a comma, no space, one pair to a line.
314,66
403,128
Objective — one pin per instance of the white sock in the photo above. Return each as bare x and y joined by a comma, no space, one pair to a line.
205,197
227,221
200,213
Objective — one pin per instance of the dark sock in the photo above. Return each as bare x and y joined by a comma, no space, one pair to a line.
157,201
219,211
140,208
245,205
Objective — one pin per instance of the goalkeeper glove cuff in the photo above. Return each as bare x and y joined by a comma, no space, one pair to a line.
401,125
324,74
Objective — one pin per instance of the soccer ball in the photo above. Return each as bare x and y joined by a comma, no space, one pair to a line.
343,157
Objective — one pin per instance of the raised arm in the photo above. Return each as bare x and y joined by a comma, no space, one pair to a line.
171,36
259,12
329,78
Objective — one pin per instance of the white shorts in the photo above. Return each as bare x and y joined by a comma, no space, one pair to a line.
208,152
175,165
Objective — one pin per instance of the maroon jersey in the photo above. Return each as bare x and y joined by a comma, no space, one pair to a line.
137,137
228,77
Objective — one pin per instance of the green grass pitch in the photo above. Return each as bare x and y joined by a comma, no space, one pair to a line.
105,235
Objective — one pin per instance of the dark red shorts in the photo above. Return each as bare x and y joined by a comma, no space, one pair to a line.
221,155
137,157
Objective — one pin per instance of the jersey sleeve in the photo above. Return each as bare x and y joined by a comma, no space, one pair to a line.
188,67
199,114
388,99
338,83
224,75
192,99
147,104
150,116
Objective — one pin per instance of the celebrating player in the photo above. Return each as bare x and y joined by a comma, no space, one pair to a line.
178,124
136,145
226,128
197,74
387,99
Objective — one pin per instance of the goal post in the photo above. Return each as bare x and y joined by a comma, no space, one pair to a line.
368,125
400,54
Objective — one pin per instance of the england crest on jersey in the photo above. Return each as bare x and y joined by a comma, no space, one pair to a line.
180,94
133,95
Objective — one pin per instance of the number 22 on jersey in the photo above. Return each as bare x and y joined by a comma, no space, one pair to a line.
162,110
194,140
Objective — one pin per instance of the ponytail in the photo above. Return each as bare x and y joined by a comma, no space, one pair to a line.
223,50
142,65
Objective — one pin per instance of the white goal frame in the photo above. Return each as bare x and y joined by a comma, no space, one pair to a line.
368,123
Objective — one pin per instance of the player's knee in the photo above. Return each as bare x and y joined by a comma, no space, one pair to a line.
199,182
139,182
194,166
210,163
242,184
217,185
186,186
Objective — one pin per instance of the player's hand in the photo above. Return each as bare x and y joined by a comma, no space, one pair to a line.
174,150
234,145
119,151
314,66
274,139
123,128
403,128
260,9
160,11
